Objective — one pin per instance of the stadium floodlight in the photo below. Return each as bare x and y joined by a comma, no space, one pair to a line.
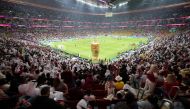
90,3
114,7
122,4
102,1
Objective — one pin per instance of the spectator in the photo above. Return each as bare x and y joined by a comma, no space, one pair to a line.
76,93
110,88
43,101
150,103
119,84
150,84
169,83
130,102
60,85
83,103
89,82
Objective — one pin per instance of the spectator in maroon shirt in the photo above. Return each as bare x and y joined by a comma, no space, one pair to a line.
88,82
76,93
169,83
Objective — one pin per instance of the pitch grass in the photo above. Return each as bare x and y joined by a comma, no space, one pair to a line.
109,47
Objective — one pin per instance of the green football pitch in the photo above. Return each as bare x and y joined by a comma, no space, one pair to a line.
110,47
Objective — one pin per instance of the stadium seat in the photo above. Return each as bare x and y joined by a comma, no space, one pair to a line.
98,87
173,92
100,103
99,93
71,103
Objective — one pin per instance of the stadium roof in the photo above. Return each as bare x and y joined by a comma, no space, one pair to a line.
100,6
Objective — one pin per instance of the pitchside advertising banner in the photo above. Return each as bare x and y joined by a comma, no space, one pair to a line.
108,14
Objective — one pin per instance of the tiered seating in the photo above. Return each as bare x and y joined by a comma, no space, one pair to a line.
99,92
71,103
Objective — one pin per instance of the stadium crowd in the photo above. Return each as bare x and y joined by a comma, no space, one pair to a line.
36,72
33,76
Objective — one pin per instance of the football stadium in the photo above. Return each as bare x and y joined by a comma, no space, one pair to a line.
110,47
94,54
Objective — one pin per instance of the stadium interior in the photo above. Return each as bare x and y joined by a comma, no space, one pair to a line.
94,54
